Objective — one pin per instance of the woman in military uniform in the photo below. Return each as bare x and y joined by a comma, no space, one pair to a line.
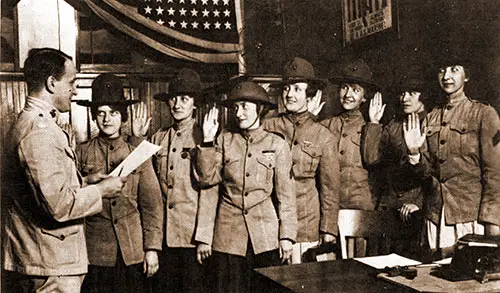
253,168
123,240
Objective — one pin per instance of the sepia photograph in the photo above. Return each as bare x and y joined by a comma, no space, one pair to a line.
249,146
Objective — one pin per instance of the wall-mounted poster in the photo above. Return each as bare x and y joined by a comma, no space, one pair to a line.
363,18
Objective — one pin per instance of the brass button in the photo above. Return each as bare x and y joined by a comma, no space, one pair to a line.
62,237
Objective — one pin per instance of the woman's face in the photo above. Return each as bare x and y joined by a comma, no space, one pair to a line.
410,101
181,107
109,121
246,115
352,95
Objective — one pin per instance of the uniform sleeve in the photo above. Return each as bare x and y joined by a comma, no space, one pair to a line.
208,163
151,207
329,180
207,209
56,189
490,163
285,194
371,146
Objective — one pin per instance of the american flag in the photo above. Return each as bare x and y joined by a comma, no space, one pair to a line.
211,20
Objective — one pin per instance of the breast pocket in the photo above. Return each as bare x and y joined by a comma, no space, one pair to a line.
66,239
432,137
308,161
232,166
159,163
465,135
265,171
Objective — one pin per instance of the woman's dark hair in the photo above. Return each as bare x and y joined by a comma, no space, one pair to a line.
120,108
41,64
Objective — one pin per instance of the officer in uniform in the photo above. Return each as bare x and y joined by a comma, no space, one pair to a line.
46,199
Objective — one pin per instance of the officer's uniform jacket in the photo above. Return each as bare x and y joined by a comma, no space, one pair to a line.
130,223
356,191
315,169
462,154
386,147
44,201
189,209
253,169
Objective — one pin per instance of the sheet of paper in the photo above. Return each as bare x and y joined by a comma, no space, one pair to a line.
389,260
141,153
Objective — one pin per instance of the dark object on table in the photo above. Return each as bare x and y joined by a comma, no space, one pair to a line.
405,271
476,257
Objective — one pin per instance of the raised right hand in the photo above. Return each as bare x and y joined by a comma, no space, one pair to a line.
111,186
210,125
414,138
376,110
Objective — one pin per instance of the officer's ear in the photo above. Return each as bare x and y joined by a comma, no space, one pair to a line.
50,84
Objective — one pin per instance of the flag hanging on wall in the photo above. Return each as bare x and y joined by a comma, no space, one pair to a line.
195,30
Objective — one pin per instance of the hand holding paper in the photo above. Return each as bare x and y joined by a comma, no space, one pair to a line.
143,152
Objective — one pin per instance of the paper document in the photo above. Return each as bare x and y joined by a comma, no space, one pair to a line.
389,260
141,153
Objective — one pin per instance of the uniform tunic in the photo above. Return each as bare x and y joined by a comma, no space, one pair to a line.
185,221
355,191
44,201
189,209
130,223
385,146
250,166
315,169
462,154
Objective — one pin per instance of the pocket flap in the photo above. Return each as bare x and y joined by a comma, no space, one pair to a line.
311,150
431,130
267,161
62,233
463,127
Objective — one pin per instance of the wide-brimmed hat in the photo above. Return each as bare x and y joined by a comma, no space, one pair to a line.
300,70
356,71
248,91
186,82
412,82
107,89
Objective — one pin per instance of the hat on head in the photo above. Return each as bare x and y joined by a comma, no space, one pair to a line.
356,71
412,82
248,91
300,70
186,82
107,89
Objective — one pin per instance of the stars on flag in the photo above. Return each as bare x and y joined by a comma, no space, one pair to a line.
194,15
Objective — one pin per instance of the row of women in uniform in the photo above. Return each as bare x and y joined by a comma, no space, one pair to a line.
268,189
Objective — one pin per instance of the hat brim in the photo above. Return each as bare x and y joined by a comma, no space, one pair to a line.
320,83
350,79
228,103
165,96
87,103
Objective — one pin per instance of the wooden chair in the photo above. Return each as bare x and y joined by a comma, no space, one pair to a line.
359,224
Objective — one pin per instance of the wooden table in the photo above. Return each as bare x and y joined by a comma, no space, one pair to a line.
329,276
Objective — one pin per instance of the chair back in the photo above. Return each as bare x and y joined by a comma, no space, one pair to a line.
363,224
